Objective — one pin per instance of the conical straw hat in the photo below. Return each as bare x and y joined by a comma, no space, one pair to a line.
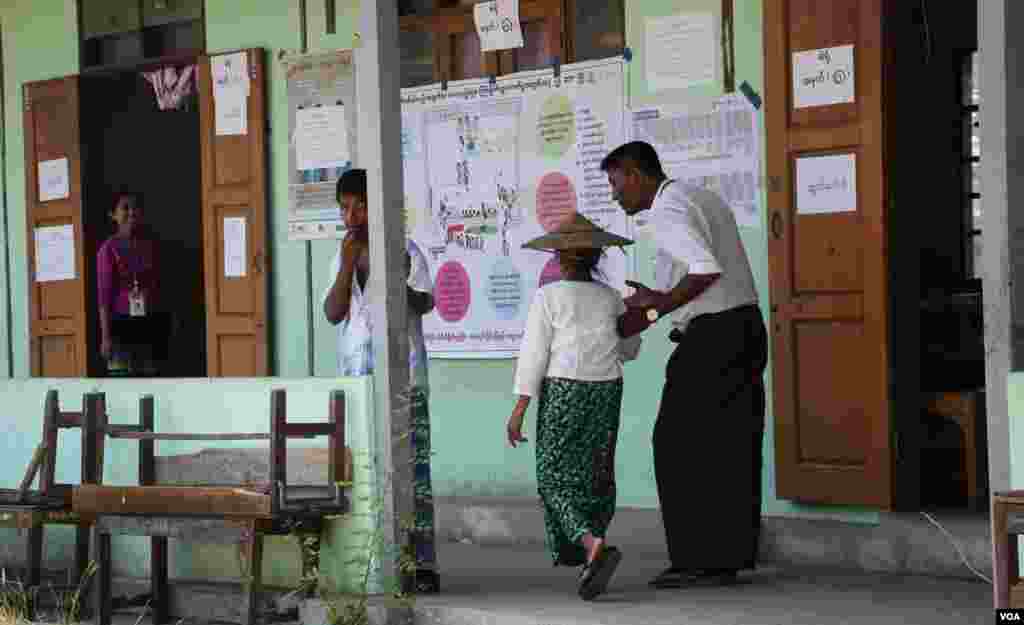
578,233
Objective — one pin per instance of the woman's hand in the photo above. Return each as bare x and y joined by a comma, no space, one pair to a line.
514,430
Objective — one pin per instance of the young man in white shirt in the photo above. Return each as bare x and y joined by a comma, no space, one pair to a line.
711,417
346,305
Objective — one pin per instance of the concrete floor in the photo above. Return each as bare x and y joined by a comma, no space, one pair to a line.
513,585
516,585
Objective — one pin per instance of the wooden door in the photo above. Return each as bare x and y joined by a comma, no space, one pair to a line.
57,314
235,188
830,317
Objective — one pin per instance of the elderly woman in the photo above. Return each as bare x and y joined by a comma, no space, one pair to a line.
571,360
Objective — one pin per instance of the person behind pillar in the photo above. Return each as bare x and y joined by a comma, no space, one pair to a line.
346,304
708,433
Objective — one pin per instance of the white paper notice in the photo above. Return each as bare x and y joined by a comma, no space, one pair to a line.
682,51
231,110
823,77
54,180
826,184
497,24
55,253
234,247
321,138
231,87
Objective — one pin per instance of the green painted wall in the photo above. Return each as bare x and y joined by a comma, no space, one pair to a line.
470,399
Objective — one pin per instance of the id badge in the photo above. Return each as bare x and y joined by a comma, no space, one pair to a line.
137,305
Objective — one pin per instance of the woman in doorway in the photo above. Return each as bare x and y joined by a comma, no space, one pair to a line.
127,278
571,359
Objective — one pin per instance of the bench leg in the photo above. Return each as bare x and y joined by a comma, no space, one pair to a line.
34,563
254,562
1005,562
102,602
159,588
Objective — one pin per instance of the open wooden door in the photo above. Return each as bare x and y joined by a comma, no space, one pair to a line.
235,210
829,275
57,274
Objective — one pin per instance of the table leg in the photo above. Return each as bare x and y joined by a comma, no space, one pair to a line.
159,586
102,601
254,562
34,556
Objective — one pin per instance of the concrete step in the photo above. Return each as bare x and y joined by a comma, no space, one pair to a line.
901,543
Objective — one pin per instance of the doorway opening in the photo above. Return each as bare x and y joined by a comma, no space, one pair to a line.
941,446
134,142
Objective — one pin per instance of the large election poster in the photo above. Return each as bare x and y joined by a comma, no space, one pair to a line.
489,165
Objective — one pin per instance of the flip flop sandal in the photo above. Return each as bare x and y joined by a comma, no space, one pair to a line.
596,575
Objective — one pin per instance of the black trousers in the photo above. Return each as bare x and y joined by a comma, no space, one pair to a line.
707,441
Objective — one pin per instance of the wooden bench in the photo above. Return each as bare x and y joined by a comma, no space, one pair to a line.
1007,525
31,510
212,513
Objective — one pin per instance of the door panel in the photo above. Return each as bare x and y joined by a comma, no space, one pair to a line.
235,186
58,322
829,272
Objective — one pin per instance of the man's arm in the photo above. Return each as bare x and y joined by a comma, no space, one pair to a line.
336,304
417,279
635,321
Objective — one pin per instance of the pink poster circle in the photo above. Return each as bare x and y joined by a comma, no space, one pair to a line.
551,272
452,292
556,201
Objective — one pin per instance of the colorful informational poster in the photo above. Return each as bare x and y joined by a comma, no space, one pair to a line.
491,165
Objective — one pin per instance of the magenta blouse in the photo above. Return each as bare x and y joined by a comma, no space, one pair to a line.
119,263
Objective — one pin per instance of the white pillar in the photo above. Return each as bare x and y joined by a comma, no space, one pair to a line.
377,85
998,97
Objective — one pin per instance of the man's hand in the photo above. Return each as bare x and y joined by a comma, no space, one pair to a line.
643,297
352,248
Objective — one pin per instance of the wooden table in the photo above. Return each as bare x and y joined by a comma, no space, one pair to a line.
1007,525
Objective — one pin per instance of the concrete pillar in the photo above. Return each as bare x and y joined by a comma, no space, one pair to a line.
379,114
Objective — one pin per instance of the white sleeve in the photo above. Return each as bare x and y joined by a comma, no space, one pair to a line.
682,232
628,348
419,271
331,277
535,349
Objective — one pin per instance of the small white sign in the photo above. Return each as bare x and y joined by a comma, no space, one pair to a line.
826,184
682,51
234,247
54,180
321,138
823,77
497,24
55,253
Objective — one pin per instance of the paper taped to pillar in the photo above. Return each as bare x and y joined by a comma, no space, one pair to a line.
682,50
322,139
489,167
712,143
823,77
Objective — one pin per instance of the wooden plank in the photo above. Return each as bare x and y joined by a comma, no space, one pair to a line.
30,474
51,412
182,436
102,601
171,500
192,529
70,420
158,580
278,447
307,430
338,467
254,577
147,448
34,555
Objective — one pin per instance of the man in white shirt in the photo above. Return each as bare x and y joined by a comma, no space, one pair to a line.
346,305
713,402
